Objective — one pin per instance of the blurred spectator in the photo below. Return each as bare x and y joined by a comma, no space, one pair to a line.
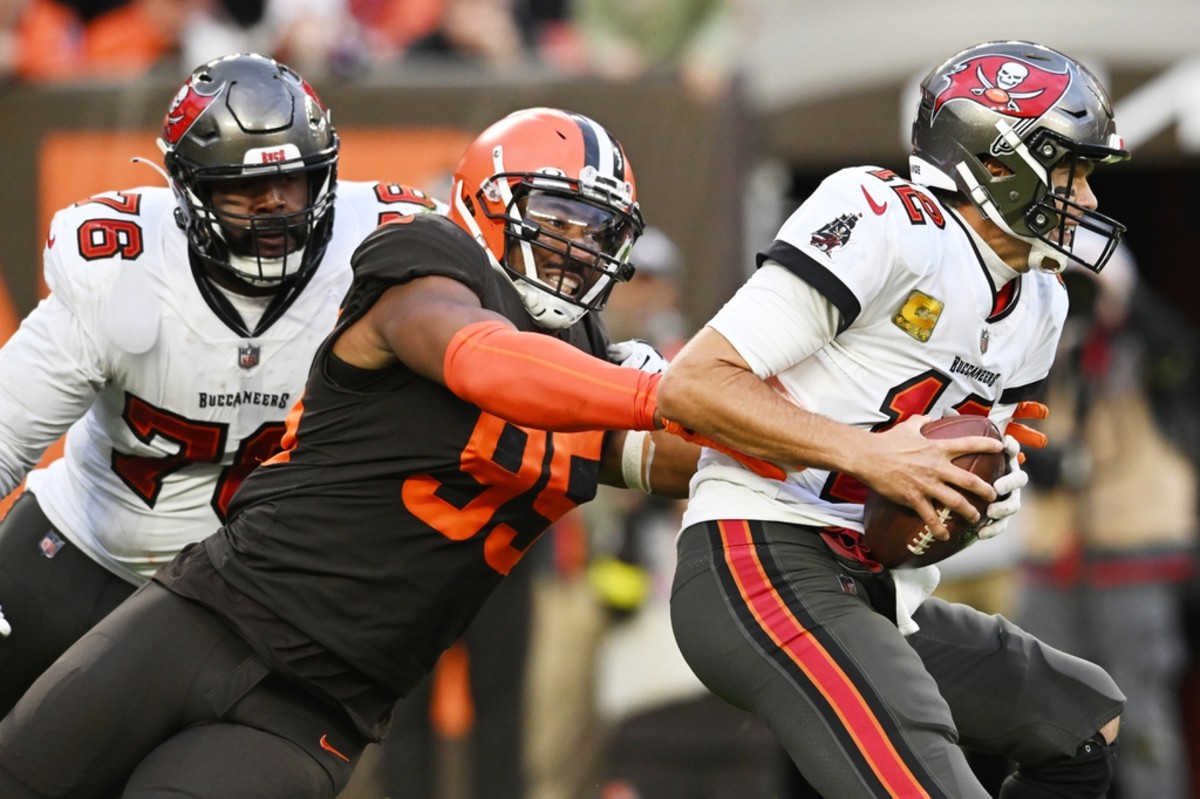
633,533
389,27
1111,519
562,743
663,734
694,40
599,570
45,40
304,33
73,39
481,32
29,28
134,37
460,733
56,41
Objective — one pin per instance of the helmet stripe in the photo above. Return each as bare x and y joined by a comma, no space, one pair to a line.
597,155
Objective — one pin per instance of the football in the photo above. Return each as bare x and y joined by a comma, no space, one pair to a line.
897,537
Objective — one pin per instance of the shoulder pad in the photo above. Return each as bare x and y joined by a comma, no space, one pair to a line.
420,246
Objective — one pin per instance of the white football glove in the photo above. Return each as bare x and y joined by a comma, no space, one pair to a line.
1008,491
637,354
5,627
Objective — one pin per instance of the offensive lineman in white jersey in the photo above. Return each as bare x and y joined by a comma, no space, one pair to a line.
178,334
884,302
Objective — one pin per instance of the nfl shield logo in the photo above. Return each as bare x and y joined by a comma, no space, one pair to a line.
984,335
50,544
248,356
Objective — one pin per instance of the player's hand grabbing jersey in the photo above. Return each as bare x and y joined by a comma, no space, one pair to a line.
875,303
168,406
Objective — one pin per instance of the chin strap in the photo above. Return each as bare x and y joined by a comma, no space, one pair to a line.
1045,258
1040,252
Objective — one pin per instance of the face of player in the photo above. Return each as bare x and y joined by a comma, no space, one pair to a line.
1070,179
262,217
572,233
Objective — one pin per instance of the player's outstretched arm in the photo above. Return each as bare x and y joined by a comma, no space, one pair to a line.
437,327
711,390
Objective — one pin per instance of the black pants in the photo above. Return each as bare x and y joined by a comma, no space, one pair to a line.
163,698
51,594
772,621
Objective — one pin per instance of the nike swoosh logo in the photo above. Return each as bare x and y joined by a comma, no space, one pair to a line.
328,747
878,208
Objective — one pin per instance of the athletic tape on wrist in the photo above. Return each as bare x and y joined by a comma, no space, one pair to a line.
637,455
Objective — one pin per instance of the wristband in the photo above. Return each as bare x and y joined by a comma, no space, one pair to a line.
637,455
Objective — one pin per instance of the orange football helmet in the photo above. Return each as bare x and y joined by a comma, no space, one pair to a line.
551,197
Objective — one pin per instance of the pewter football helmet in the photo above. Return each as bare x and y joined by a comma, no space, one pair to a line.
1031,108
244,116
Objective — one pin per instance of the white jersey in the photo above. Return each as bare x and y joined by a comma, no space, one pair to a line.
876,303
168,406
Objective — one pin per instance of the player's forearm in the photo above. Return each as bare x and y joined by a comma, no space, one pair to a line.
538,381
736,408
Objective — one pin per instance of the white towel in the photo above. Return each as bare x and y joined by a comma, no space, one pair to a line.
912,587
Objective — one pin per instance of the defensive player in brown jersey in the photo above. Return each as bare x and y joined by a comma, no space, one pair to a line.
463,402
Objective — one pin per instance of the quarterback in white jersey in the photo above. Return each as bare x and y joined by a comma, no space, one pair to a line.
902,309
884,302
177,335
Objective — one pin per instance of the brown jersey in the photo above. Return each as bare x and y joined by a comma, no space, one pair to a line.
396,507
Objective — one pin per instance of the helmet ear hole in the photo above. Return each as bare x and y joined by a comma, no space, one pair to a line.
995,167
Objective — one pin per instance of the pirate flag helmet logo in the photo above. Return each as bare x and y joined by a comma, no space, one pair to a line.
1007,85
996,120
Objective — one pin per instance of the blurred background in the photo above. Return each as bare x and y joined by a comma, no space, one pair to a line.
731,112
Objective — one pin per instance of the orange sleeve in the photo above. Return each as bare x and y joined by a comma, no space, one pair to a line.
538,381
